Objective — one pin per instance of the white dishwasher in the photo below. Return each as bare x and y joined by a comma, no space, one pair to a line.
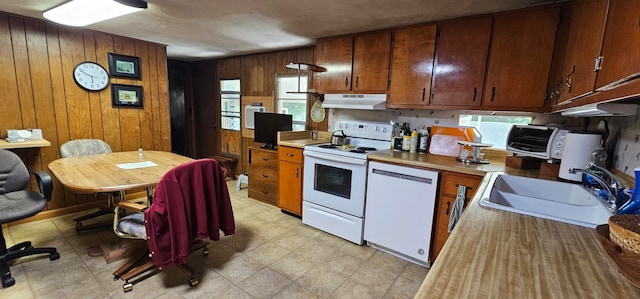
399,210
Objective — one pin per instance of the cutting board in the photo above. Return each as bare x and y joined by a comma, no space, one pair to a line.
444,140
445,145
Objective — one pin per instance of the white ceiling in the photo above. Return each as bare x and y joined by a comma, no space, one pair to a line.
196,30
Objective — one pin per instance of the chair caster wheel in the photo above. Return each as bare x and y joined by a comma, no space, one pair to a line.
193,282
127,287
205,251
7,282
54,256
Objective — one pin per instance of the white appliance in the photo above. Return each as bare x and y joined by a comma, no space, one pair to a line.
538,141
577,153
400,207
249,116
355,101
335,179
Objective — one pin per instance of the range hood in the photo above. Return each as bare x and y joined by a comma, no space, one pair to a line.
603,109
355,101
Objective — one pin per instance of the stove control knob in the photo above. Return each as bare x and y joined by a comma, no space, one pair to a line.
346,126
384,130
377,128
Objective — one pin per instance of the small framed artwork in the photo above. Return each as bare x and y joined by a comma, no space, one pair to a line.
124,66
126,96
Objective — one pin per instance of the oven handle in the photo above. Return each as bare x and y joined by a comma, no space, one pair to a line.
333,158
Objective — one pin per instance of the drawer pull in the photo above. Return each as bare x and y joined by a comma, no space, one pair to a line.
265,159
290,155
265,176
265,192
297,170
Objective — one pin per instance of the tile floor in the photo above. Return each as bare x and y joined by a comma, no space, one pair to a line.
272,255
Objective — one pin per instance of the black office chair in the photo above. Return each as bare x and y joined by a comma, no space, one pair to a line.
85,147
17,203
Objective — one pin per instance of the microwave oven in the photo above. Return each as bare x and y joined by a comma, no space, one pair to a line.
538,141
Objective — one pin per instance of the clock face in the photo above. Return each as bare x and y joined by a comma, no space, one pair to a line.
91,76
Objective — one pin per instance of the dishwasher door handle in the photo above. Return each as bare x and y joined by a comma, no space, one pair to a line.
403,176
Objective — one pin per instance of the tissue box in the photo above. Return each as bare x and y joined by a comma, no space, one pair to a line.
24,134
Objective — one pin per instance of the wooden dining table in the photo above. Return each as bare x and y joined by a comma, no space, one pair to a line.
114,173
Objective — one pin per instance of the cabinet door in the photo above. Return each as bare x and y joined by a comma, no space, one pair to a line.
520,58
461,62
411,67
621,43
335,54
587,21
290,187
441,231
371,61
448,193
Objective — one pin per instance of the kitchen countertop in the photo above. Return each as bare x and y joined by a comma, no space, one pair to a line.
498,254
437,162
299,139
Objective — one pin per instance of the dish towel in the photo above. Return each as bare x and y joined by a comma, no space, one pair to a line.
458,206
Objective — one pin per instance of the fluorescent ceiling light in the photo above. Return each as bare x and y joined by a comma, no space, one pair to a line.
84,12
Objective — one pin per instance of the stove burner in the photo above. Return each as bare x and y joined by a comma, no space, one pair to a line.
358,150
364,148
327,146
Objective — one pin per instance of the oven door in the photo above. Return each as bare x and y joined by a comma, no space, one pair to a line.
335,182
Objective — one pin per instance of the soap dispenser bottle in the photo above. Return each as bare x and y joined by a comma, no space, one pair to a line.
633,205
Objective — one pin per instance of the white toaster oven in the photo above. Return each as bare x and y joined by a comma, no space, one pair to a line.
538,141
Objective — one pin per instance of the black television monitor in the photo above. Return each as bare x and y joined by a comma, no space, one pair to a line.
267,125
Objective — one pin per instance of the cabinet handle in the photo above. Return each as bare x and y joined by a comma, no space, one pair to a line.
297,170
448,206
264,175
357,80
265,159
346,81
475,93
289,155
424,90
265,192
493,93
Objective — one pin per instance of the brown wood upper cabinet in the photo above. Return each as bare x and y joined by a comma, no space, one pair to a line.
586,30
357,63
621,42
520,58
411,67
461,62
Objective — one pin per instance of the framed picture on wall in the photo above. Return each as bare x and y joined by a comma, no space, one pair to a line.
124,66
126,96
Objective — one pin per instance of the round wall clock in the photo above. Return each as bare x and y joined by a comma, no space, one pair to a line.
91,76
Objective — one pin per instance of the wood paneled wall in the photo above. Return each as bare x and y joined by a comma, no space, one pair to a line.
257,75
37,60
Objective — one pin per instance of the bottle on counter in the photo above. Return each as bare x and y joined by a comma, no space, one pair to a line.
423,144
413,146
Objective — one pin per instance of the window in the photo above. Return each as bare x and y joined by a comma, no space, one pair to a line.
494,128
230,104
292,103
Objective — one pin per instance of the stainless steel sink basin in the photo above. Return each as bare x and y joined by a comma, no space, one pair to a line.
563,202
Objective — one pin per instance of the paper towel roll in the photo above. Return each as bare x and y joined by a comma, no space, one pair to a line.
576,153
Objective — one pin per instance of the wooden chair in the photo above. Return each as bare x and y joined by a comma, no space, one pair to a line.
85,147
191,202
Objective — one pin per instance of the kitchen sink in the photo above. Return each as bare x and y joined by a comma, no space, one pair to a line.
559,201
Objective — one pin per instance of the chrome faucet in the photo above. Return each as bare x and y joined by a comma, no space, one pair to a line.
616,198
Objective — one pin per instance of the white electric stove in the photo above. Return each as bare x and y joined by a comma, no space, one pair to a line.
335,177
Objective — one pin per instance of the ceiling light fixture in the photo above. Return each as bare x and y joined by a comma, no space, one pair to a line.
84,12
